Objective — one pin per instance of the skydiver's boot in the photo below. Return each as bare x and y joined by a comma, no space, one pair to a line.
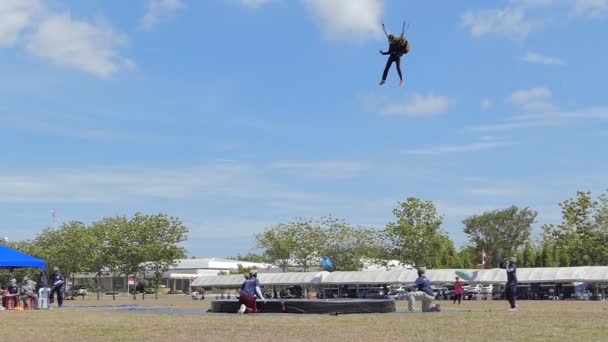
401,83
382,82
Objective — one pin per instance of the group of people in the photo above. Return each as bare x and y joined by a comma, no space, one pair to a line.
425,293
250,291
27,292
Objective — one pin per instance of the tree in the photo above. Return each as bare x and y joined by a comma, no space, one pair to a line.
528,256
111,232
500,233
582,237
347,246
468,256
414,237
447,256
276,244
251,257
157,242
63,247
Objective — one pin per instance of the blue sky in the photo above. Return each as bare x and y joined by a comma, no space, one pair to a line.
235,115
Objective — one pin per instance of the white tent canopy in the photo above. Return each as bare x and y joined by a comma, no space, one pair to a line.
490,276
367,277
235,280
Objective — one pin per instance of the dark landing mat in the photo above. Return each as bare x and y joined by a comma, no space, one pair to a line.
312,306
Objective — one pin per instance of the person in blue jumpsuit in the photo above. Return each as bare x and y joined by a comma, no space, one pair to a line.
57,281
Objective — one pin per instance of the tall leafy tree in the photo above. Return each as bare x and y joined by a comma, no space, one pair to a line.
346,245
414,237
158,242
276,244
500,233
582,237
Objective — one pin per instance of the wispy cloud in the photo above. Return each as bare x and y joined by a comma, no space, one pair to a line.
535,58
534,99
417,105
496,191
485,104
516,20
324,169
590,7
512,23
15,16
255,3
359,20
461,148
68,42
158,10
545,119
62,40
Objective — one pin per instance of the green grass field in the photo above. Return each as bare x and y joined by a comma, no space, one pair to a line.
93,320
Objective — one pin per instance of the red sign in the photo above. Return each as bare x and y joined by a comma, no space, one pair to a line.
132,280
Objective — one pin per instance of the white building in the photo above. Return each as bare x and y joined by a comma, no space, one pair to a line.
178,277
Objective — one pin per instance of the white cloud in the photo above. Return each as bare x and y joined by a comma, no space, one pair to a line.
15,16
590,7
255,3
68,42
532,57
509,22
472,147
358,20
325,169
495,191
535,99
546,119
157,10
418,105
485,104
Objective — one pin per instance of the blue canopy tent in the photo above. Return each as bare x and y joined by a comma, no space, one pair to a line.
10,258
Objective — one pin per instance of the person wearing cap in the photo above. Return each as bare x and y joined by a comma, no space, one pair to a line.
28,290
57,281
424,292
511,288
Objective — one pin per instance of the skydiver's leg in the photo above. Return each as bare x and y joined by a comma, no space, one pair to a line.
386,68
398,64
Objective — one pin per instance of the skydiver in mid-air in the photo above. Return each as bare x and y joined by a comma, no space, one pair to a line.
398,46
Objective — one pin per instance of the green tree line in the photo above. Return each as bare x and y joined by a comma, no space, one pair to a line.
118,245
416,237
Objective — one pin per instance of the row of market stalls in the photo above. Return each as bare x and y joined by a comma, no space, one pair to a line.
587,274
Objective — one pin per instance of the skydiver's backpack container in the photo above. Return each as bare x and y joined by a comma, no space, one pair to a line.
404,44
43,298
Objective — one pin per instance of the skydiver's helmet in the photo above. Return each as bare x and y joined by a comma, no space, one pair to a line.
391,37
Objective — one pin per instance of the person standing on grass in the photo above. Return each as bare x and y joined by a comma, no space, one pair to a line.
511,288
57,281
458,290
424,292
